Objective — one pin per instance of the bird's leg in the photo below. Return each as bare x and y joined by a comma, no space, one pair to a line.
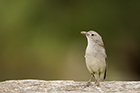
89,82
97,82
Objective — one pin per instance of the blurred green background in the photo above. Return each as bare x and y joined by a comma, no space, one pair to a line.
40,39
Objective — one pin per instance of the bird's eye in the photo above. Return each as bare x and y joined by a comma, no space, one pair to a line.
92,34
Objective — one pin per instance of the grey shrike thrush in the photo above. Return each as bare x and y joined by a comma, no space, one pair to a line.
95,57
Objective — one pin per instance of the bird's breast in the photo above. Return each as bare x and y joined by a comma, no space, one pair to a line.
95,59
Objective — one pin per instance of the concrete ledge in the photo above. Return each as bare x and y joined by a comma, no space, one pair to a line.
42,86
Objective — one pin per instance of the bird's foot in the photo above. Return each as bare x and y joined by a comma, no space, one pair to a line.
97,83
88,84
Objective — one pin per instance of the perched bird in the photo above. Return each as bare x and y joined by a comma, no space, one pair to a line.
95,57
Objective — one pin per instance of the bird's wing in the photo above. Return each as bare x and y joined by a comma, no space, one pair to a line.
106,68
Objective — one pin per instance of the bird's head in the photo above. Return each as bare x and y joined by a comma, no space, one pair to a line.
92,36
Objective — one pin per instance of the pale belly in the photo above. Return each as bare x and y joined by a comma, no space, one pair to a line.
95,65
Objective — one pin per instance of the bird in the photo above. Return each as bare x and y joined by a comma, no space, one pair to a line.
95,57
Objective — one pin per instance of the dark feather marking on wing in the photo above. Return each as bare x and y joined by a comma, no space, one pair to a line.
105,69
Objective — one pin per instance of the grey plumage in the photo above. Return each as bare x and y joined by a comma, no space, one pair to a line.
95,57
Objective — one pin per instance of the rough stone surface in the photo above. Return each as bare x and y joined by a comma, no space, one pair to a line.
42,86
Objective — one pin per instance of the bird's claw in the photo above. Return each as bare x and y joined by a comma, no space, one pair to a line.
88,84
97,83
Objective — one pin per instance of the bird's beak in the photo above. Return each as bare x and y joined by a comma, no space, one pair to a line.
84,33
